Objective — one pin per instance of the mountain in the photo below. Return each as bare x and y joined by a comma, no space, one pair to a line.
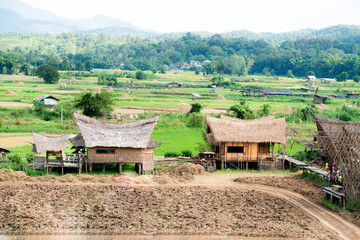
118,31
17,16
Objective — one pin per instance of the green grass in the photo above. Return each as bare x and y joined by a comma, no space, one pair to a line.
177,139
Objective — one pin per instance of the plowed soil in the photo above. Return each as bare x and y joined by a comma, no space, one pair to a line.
276,206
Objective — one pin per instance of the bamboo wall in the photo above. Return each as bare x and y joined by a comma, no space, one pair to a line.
124,155
251,151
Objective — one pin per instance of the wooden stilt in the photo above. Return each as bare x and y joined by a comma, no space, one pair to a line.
247,165
103,170
120,168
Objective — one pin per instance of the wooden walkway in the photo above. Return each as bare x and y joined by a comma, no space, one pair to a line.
306,166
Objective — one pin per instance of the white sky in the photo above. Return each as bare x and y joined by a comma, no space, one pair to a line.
213,15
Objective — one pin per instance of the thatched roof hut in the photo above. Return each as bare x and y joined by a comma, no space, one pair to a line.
340,143
253,131
44,143
118,142
124,135
246,120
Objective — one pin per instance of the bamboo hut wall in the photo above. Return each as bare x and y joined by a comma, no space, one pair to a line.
122,155
251,151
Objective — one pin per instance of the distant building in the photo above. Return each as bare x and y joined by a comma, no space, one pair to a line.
310,78
328,80
3,152
320,99
196,64
47,99
173,85
206,61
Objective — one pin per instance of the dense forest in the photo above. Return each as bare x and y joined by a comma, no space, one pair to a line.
324,57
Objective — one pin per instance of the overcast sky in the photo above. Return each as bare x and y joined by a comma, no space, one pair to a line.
213,15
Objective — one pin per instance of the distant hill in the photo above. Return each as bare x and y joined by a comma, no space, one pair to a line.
17,16
118,31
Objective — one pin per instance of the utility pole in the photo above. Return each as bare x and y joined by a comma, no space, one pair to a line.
61,114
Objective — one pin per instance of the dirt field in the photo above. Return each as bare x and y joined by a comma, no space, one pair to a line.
211,204
15,104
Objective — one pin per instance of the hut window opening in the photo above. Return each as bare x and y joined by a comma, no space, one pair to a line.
233,149
104,151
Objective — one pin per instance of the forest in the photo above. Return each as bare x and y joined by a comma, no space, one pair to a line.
323,57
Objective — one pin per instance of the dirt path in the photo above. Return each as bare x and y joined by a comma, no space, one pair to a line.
15,104
335,224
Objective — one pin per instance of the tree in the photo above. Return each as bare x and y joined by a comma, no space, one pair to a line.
342,77
196,107
237,65
242,111
48,73
139,75
221,67
290,74
217,79
94,104
356,78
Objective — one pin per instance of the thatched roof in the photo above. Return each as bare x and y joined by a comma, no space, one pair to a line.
254,131
249,120
77,141
309,143
124,135
44,143
3,150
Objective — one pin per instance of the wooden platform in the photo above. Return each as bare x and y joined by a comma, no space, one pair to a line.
296,162
317,171
332,194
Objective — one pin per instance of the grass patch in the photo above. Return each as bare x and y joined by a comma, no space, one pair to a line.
314,177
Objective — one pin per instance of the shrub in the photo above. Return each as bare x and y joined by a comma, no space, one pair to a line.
356,78
196,107
16,162
30,157
195,120
186,153
171,154
139,75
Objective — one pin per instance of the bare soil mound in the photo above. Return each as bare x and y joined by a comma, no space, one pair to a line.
322,106
220,98
96,90
125,96
38,86
181,173
175,91
20,84
10,93
110,89
184,108
155,81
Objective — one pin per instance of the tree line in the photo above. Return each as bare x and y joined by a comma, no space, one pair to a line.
237,56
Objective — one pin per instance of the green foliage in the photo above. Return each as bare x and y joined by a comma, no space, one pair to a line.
203,147
107,79
48,73
154,70
265,110
16,162
242,111
196,107
342,77
171,154
94,104
289,74
195,120
186,153
313,177
217,79
139,75
356,78
30,157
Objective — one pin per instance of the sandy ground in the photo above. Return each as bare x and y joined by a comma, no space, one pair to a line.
15,141
142,110
255,205
15,104
64,91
